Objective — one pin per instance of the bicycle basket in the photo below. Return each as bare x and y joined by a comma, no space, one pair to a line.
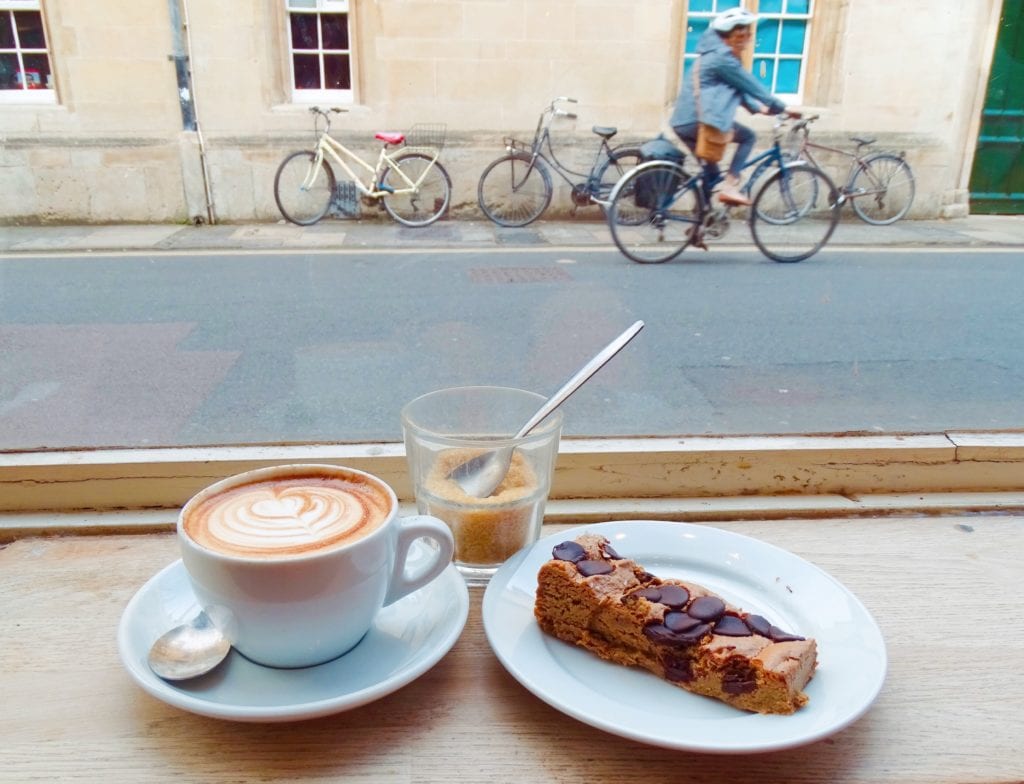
427,135
792,143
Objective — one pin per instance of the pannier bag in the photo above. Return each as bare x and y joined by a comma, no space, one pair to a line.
655,189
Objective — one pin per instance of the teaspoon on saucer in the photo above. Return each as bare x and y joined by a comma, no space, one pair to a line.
189,650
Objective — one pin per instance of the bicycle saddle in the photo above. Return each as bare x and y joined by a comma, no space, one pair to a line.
604,131
390,138
862,141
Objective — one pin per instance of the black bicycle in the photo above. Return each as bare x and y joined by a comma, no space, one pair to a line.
658,209
515,189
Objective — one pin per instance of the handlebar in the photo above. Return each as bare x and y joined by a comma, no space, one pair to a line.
324,113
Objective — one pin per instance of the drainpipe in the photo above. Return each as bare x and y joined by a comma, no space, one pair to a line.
186,92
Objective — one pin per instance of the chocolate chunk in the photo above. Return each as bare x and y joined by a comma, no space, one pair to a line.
678,670
675,596
759,625
680,621
660,634
707,608
739,680
647,577
609,552
739,686
778,635
651,593
590,568
569,551
731,626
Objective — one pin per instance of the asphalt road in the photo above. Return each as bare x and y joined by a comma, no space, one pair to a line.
202,348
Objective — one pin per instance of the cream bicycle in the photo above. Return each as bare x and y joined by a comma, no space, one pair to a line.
410,182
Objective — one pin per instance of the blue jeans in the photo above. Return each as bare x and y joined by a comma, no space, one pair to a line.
741,135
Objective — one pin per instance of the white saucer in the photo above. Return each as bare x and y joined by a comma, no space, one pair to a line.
406,640
755,576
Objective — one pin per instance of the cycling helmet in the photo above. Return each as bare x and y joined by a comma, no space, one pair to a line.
727,21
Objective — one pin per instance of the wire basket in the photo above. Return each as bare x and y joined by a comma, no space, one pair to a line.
427,135
792,143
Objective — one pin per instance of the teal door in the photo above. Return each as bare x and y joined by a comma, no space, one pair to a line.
997,178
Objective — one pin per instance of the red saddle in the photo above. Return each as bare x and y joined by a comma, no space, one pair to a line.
390,138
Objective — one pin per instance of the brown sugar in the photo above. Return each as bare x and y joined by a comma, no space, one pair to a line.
486,530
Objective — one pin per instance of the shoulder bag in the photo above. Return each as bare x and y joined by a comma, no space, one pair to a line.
710,140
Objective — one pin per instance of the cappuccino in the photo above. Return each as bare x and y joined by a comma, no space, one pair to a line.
287,515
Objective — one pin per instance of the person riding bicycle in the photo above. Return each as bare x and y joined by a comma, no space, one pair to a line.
724,85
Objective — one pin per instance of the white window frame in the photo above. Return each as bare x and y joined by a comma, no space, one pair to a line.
44,95
319,7
752,5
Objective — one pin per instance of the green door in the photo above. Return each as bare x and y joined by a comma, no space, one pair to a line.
997,178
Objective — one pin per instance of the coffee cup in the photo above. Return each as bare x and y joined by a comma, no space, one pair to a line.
294,562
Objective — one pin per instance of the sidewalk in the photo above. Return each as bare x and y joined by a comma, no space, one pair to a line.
584,231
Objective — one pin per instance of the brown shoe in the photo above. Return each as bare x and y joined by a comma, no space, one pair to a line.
733,196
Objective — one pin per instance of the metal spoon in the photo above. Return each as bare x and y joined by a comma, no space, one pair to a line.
480,475
189,650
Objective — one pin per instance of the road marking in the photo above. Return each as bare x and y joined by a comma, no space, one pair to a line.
462,250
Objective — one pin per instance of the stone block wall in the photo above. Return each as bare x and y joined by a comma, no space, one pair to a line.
112,147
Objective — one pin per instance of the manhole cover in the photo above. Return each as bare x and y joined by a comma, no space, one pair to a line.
518,275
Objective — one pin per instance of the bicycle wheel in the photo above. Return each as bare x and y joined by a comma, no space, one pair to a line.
423,202
794,214
513,191
654,211
303,205
882,189
609,172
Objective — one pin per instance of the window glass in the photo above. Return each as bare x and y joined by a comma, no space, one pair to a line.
793,37
320,50
780,34
25,73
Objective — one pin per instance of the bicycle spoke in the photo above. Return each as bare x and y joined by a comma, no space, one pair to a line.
514,190
883,189
654,212
794,214
429,197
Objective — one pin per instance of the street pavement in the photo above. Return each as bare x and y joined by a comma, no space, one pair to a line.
583,231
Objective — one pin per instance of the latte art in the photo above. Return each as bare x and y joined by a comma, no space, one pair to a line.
288,516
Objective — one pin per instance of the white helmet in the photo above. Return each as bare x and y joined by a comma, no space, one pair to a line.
735,17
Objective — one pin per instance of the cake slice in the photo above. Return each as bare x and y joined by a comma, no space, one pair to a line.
590,596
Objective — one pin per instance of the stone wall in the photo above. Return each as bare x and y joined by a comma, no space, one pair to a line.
112,148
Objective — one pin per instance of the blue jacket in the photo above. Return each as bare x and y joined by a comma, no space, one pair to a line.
724,85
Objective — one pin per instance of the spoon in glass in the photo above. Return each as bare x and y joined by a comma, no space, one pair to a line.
480,475
189,650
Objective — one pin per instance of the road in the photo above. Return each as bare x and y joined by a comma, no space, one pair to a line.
202,348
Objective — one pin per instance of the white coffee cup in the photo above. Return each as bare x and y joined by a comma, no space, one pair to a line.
294,562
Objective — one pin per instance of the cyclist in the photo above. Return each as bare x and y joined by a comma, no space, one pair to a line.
724,85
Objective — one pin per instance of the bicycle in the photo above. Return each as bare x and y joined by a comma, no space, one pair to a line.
411,183
879,185
659,209
516,189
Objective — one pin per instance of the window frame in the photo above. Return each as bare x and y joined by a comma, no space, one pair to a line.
751,56
45,94
319,7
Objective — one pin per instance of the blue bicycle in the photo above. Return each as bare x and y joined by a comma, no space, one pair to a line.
658,209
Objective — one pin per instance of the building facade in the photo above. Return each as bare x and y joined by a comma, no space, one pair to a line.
181,110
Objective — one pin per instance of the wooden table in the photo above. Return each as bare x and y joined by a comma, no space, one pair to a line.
946,592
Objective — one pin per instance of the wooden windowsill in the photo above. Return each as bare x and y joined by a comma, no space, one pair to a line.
943,590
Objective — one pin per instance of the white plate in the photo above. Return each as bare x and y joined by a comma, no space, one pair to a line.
757,577
406,640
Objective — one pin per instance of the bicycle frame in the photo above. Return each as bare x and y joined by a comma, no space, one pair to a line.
846,190
542,137
327,146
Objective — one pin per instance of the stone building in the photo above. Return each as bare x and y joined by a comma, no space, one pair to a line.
178,110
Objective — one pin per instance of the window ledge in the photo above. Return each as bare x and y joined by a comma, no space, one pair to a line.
593,469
